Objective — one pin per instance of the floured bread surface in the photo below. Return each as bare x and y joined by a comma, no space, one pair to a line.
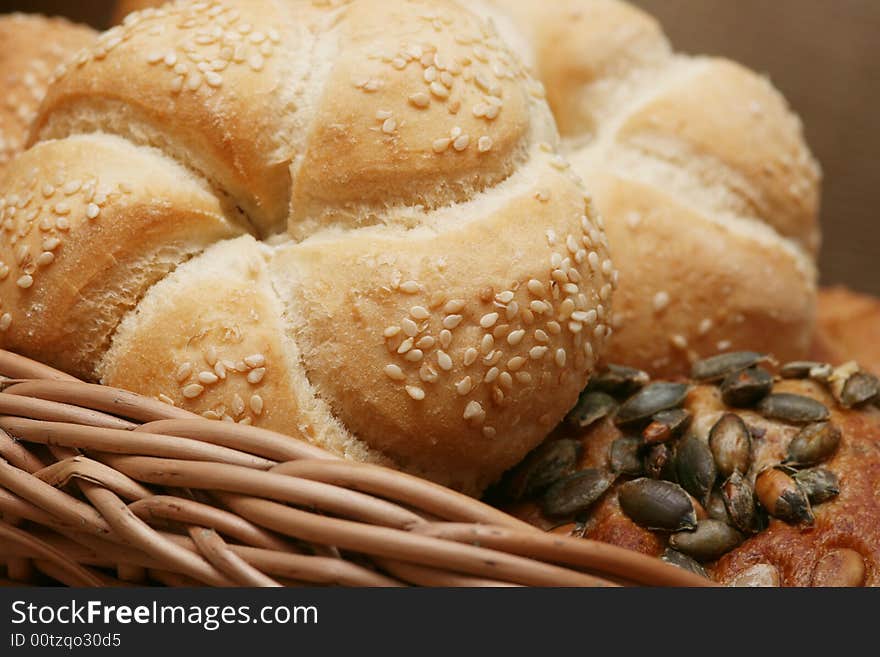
345,221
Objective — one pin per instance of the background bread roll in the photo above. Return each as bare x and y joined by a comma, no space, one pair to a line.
33,47
348,222
701,173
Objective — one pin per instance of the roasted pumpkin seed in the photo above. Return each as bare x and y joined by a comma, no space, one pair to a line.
657,504
746,387
710,540
544,465
796,409
625,456
819,484
840,567
730,442
649,400
781,496
695,467
813,444
716,509
590,407
659,462
858,389
619,380
666,425
576,492
739,500
717,367
683,561
802,369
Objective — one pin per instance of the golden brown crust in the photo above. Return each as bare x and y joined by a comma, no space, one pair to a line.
848,327
33,47
433,287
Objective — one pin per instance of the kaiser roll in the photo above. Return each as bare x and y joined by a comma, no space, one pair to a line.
33,47
346,221
701,172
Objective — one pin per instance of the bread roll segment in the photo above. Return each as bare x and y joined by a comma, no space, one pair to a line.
703,140
429,285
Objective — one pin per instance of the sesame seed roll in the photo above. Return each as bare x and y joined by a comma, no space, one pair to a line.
344,221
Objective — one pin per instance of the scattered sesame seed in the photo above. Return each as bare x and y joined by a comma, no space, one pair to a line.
452,321
445,338
410,287
419,312
523,377
426,342
515,337
394,372
488,320
515,363
389,126
208,378
192,391
220,370
255,360
537,353
705,326
25,281
464,386
444,360
474,411
45,258
487,344
427,373
410,328
679,341
454,306
237,405
165,399
560,357
470,355
405,346
491,375
541,336
439,90
489,432
504,297
183,372
414,355
441,145
661,301
420,100
5,321
256,375
461,143
391,331
484,145
256,404
213,79
415,392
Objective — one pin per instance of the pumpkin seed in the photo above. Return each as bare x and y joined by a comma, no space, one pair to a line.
649,400
841,567
717,367
716,508
731,444
819,484
695,467
683,561
544,465
813,444
660,462
576,492
759,575
657,504
802,369
739,500
624,456
666,425
781,496
746,387
619,381
590,407
858,389
796,409
710,540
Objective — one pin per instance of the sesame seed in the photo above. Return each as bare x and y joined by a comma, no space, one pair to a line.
492,357
192,391
213,79
405,346
454,306
255,376
705,326
487,344
554,328
504,297
537,288
445,338
410,287
539,307
415,392
220,370
426,342
427,373
256,404
414,355
523,377
724,345
541,336
461,142
661,300
484,145
488,320
439,90
255,360
607,267
515,363
25,281
491,375
409,326
45,258
391,331
560,357
444,360
501,331
451,321
474,411
512,310
420,100
208,378
394,372
183,372
515,337
489,432
464,386
441,145
470,355
679,341
389,126
5,321
419,312
165,399
537,353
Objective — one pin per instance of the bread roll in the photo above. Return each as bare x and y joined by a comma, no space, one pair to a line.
701,172
848,326
33,47
345,222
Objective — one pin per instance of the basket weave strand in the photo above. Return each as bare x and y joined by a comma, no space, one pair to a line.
103,487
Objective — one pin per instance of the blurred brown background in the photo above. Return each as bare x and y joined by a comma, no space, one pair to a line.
825,57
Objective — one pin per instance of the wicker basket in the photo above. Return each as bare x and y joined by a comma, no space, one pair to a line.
99,486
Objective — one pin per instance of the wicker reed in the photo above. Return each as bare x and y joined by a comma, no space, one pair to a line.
102,487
